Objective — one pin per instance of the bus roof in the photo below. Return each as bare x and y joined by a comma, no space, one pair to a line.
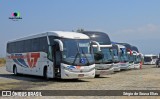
128,46
62,34
114,46
100,37
134,48
120,46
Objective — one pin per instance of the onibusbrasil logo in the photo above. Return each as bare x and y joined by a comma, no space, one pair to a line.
15,16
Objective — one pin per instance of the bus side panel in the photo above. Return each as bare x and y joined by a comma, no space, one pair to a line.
31,63
9,65
41,63
37,63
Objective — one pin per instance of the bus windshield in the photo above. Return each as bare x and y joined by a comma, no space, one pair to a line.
123,55
137,59
77,52
107,55
131,58
147,59
115,54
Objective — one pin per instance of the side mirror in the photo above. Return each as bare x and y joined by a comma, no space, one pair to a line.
60,44
128,53
98,55
96,45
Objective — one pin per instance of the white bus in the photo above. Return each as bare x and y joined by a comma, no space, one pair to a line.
116,57
104,65
123,57
137,57
150,59
54,54
130,54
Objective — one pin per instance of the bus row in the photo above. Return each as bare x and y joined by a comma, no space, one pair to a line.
70,55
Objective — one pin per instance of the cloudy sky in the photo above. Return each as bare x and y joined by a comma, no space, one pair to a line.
136,22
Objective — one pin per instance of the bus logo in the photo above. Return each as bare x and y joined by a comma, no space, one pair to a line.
15,16
32,59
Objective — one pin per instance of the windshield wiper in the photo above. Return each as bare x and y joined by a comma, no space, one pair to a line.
86,57
78,54
110,60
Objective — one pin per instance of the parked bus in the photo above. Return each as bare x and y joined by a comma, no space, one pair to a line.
103,66
123,57
130,54
116,58
54,54
137,57
150,59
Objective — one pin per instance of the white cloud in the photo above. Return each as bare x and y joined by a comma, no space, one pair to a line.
148,28
146,32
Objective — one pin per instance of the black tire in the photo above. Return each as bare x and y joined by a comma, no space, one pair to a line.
45,73
97,76
15,70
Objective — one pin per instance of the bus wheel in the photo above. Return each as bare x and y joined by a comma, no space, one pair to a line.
15,70
97,76
45,73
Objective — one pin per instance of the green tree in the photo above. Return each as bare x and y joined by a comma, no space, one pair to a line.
79,30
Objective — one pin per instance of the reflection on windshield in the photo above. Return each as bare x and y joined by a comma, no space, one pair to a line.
77,52
137,59
115,54
147,59
131,58
107,55
123,55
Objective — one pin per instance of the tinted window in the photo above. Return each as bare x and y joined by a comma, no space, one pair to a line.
27,46
11,46
35,45
147,59
14,47
8,48
43,44
30,45
154,57
19,46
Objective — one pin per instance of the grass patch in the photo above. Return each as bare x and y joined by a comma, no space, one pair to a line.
2,61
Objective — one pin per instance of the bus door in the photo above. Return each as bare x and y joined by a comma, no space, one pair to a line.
56,59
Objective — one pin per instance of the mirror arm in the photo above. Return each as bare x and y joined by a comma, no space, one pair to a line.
60,44
98,46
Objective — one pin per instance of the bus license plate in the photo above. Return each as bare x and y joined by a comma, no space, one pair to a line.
80,75
103,72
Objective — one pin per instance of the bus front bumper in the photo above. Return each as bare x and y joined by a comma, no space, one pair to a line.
77,72
124,66
105,72
116,67
104,69
137,66
131,66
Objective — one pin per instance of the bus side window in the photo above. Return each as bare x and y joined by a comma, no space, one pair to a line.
8,48
50,54
35,45
43,44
